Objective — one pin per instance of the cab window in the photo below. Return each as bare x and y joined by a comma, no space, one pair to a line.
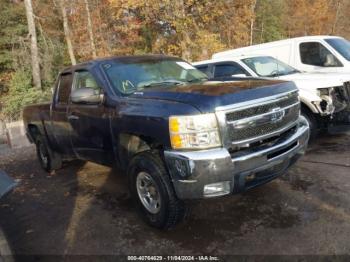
226,70
314,53
204,69
64,88
84,79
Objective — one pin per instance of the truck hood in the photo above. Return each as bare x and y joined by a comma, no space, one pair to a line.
211,94
317,80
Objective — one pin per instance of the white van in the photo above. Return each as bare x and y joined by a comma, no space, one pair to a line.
325,97
309,53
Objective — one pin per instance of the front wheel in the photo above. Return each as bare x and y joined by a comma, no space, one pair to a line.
153,192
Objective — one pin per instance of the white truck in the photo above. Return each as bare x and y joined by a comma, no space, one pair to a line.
308,53
325,97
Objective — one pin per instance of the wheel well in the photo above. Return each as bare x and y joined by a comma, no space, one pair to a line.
313,117
305,108
33,131
130,145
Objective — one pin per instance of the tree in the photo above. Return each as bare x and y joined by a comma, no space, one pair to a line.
67,32
306,17
173,27
341,23
33,44
270,20
90,30
252,20
13,26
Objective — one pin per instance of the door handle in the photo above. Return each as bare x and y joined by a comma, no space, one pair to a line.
73,117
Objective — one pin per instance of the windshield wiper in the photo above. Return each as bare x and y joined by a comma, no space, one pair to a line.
295,71
166,82
284,73
198,80
276,74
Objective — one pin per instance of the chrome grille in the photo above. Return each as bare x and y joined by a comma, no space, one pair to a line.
248,124
246,133
258,110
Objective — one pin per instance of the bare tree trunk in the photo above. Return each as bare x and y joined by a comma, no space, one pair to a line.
252,22
336,16
33,44
91,33
67,32
103,34
185,42
262,32
185,46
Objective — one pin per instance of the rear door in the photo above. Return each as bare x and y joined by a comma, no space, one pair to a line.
90,132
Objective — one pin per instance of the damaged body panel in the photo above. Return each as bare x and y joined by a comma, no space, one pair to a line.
324,96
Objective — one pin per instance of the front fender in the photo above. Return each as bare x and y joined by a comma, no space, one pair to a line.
307,98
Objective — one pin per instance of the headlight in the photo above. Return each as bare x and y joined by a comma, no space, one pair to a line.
323,91
194,132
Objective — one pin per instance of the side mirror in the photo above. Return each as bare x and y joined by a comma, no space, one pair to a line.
86,95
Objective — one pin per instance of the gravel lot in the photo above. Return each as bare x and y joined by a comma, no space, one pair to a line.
84,209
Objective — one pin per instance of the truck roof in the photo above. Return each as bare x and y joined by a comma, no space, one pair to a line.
234,57
122,59
241,50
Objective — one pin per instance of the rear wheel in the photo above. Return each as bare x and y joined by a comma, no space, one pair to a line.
153,192
49,160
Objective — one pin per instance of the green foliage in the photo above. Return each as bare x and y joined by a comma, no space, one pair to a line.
270,20
21,93
13,25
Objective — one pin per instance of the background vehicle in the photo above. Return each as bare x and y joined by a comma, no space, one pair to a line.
325,98
178,136
6,185
309,53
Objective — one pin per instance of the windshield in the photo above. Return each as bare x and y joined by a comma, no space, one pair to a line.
341,45
128,77
268,66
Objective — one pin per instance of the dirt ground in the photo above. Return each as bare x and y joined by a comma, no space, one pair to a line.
84,209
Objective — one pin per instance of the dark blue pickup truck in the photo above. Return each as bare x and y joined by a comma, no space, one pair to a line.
178,135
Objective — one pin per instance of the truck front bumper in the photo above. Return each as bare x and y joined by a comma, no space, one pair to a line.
212,173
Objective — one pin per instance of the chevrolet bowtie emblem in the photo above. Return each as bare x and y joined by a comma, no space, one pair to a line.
277,114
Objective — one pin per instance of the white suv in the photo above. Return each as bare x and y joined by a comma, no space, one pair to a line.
325,97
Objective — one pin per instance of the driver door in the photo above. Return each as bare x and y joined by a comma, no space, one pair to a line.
90,136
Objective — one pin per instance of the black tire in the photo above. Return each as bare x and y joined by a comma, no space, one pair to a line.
171,209
49,160
311,119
